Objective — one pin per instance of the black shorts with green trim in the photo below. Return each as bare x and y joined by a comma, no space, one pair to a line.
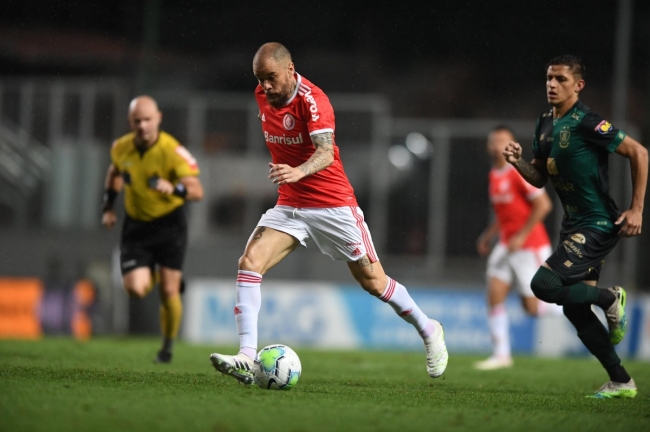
581,254
161,241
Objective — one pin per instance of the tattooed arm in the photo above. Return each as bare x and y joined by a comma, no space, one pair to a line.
319,160
322,157
534,173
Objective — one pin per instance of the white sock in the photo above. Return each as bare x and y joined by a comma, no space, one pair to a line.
396,295
247,308
499,330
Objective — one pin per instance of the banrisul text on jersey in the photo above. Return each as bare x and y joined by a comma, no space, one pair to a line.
287,133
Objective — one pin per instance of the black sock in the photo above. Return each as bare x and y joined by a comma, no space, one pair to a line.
605,299
595,337
617,373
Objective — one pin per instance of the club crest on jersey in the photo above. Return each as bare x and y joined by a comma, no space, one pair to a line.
603,127
565,135
289,122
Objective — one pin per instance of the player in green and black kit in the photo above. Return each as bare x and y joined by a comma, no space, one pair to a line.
571,147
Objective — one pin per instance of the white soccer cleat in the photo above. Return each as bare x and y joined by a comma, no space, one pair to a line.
239,366
437,356
493,363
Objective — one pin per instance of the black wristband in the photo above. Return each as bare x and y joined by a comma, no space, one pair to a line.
180,190
109,199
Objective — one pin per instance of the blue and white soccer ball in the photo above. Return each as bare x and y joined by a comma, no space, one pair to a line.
277,367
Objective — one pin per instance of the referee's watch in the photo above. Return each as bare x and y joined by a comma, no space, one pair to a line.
180,190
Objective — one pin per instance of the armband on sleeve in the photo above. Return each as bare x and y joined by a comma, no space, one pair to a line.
180,190
109,199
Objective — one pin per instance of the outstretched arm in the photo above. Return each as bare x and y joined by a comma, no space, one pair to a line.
319,160
632,219
534,173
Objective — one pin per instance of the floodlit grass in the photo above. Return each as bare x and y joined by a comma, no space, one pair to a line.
112,385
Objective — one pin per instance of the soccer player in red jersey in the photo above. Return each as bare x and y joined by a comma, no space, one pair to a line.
523,246
316,204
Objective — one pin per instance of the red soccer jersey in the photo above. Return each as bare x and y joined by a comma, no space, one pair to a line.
287,132
510,196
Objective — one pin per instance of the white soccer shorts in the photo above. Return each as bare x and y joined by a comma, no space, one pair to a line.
517,268
339,232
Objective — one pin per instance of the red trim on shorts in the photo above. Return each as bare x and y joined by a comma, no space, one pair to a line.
370,250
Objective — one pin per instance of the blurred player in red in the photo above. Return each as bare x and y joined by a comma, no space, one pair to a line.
316,205
523,246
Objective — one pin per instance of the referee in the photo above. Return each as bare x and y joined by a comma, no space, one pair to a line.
158,175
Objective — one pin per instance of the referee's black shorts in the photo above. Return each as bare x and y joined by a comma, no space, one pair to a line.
162,241
581,254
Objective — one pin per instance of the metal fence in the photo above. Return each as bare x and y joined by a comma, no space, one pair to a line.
422,183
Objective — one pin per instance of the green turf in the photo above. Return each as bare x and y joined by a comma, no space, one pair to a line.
112,385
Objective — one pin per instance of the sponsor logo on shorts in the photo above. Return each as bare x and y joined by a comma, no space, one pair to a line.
357,252
289,122
129,263
571,248
353,244
603,127
237,310
579,238
568,263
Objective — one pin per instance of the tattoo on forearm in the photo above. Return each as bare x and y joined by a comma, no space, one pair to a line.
258,233
365,262
322,157
530,173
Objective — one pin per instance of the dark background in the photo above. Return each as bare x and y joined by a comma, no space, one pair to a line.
434,59
465,59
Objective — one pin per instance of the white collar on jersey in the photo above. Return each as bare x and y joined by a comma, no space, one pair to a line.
295,92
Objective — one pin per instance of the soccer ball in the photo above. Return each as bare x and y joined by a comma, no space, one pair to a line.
277,367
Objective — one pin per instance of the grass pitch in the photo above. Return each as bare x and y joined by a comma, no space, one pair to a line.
112,385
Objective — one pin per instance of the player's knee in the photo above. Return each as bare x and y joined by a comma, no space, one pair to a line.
247,262
136,291
547,286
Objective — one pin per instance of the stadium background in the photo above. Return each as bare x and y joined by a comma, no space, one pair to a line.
448,72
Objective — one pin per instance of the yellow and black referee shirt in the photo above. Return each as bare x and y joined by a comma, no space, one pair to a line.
166,159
